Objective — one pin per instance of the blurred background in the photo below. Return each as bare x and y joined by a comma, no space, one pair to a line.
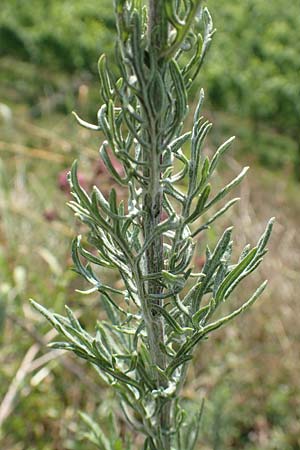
249,372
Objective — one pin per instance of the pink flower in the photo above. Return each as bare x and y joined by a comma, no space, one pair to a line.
63,184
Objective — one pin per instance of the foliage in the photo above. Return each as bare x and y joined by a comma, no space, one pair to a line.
262,73
164,309
256,358
263,80
44,32
255,46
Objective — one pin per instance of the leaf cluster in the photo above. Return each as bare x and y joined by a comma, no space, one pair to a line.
143,348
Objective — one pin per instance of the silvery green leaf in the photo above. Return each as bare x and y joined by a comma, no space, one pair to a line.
219,153
234,274
213,326
169,319
85,124
212,263
96,435
218,214
106,88
223,192
266,236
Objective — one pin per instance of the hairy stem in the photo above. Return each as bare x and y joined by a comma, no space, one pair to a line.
158,26
152,206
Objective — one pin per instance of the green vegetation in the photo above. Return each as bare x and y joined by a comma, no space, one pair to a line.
255,67
147,235
253,70
57,34
253,397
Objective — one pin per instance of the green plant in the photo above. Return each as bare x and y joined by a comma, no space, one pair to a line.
269,67
164,309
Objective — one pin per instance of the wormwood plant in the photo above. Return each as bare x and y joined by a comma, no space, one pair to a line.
164,309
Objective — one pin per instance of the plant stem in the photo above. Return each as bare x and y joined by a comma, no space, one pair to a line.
158,25
152,206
